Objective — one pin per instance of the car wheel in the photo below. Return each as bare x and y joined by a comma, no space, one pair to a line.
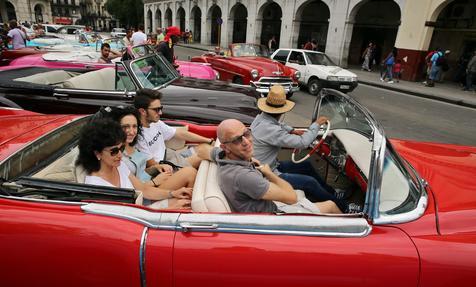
289,95
314,86
238,80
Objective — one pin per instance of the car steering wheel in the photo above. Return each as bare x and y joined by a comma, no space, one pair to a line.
314,148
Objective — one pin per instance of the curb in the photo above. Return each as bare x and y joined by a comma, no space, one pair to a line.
421,95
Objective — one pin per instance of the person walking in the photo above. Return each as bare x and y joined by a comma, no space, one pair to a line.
367,57
470,73
388,63
272,44
139,37
436,64
17,35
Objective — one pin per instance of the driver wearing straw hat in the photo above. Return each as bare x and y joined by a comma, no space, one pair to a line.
270,135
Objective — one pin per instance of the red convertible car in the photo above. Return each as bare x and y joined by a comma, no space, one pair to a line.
416,229
249,64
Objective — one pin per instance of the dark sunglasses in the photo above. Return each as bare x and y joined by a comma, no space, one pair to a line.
239,139
115,150
158,109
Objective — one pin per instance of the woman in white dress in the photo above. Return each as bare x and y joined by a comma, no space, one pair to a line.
101,146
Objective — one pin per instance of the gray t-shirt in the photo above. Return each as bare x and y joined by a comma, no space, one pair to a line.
269,136
243,185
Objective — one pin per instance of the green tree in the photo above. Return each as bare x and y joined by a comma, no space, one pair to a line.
129,12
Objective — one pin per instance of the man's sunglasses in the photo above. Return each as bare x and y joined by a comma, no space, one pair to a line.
239,139
157,109
115,150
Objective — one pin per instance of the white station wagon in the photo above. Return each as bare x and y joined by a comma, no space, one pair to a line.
317,70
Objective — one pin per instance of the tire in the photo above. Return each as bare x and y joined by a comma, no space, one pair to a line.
314,86
238,80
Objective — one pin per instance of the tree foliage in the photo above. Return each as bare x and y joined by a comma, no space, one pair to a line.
129,12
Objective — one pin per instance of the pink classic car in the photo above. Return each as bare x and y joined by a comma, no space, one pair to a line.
88,58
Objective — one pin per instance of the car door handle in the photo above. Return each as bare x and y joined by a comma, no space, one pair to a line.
61,96
186,227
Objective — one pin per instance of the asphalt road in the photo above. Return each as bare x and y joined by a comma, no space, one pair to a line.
403,116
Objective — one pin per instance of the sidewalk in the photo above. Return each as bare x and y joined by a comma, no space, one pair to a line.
446,92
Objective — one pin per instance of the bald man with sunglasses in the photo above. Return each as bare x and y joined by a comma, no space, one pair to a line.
251,187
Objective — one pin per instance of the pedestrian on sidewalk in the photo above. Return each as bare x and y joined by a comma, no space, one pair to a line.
444,67
388,63
428,64
397,70
272,44
470,73
367,57
437,61
160,35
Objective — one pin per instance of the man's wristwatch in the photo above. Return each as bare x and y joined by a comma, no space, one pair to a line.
211,141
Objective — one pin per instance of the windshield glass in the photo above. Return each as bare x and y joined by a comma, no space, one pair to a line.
116,44
241,50
151,72
318,59
345,115
141,50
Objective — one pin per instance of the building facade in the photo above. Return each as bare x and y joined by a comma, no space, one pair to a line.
342,28
32,11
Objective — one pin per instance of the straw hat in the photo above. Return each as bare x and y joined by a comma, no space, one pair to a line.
275,102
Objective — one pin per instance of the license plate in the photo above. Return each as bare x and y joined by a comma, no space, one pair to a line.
345,87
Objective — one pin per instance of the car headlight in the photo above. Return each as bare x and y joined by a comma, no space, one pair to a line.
332,78
217,75
254,73
297,75
354,79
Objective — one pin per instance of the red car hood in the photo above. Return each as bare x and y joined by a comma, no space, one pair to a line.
451,173
265,66
21,128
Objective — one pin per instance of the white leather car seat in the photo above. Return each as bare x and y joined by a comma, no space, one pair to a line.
207,195
102,79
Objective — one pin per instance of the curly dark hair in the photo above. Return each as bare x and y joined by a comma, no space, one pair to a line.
95,136
143,98
117,113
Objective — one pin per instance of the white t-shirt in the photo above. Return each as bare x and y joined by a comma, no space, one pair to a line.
138,38
152,141
123,175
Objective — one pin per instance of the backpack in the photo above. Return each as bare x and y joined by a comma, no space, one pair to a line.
443,63
428,56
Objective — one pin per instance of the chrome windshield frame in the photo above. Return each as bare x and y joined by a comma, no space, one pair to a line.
374,184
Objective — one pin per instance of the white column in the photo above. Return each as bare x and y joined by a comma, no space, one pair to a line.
339,33
224,40
205,29
252,22
188,11
285,37
146,24
154,23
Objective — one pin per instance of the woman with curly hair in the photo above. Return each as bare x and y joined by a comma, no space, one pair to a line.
101,146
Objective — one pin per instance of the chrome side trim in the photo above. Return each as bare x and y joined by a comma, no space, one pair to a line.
404,217
300,225
49,201
156,220
142,256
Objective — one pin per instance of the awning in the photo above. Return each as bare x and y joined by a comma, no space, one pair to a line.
63,21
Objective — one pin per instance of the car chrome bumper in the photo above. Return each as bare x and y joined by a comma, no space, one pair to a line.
264,86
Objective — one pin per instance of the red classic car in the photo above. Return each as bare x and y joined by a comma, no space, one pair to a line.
249,64
416,229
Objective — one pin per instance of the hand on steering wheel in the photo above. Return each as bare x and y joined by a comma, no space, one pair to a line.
315,147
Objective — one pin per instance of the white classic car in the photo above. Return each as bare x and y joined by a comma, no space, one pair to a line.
118,32
317,70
